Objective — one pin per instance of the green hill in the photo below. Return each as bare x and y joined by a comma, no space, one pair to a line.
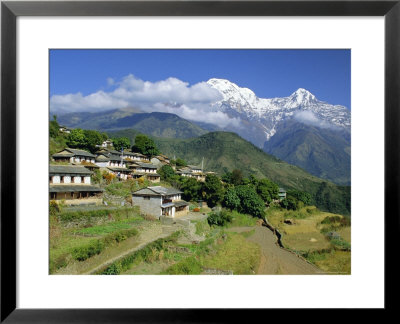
324,153
154,124
223,151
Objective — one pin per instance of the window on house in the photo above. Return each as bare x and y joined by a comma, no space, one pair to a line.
146,198
61,179
83,179
51,179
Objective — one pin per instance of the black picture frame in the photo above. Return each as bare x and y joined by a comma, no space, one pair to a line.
11,10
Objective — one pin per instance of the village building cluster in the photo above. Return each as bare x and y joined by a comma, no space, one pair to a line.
70,178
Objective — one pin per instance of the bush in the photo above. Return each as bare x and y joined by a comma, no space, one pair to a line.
54,208
187,266
219,218
340,244
86,251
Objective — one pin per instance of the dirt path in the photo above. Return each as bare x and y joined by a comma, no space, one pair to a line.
275,260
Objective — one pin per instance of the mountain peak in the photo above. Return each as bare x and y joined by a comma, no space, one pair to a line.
303,96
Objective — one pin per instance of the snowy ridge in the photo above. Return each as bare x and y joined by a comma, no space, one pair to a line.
268,113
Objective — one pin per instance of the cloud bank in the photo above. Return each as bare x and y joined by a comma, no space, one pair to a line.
171,95
309,118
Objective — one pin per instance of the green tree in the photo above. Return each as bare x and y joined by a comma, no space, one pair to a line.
227,177
166,172
76,139
121,143
231,199
214,190
290,203
93,138
236,177
250,201
145,145
54,127
267,190
180,162
302,196
104,136
191,189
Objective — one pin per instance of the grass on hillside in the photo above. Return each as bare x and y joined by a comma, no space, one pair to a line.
222,252
306,232
76,236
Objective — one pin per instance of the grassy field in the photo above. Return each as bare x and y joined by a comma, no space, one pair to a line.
309,231
219,252
76,236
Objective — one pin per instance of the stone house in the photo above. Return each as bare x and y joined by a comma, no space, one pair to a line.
105,160
192,172
160,201
107,143
73,156
121,173
148,170
72,184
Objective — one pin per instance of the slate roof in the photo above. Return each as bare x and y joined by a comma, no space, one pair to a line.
114,157
194,167
180,203
74,152
102,158
74,188
117,169
147,165
69,169
157,191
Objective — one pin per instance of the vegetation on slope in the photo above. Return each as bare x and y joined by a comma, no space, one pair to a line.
155,123
223,152
324,153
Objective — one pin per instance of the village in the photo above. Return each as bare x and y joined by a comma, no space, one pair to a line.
71,171
126,210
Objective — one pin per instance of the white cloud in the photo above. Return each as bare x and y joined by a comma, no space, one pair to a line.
309,118
170,95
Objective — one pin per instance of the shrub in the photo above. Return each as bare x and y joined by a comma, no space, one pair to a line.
219,218
250,201
340,244
187,266
231,199
54,208
86,251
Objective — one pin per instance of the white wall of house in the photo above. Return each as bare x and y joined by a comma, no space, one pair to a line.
102,164
56,179
87,180
67,179
77,179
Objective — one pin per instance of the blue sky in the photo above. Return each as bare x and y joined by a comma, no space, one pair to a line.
269,73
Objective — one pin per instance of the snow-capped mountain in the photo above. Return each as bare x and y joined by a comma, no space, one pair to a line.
266,114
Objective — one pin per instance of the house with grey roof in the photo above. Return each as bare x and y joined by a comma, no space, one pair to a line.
73,156
148,170
159,201
104,160
192,172
121,173
72,185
